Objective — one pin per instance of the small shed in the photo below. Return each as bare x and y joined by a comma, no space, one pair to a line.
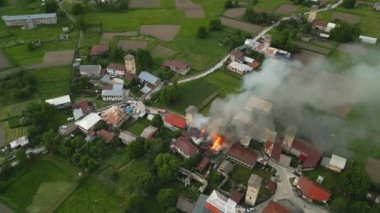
368,40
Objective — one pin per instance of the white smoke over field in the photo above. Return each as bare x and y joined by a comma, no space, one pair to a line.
317,102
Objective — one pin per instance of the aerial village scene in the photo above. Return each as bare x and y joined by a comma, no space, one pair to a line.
194,106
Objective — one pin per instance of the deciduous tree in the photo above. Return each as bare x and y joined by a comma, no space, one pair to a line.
167,167
167,197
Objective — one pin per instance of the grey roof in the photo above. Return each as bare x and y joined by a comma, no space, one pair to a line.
32,16
145,89
127,137
148,77
90,69
117,90
199,205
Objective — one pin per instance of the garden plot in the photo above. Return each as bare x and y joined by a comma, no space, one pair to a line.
162,32
195,13
355,49
287,9
107,37
132,44
162,52
314,48
187,5
352,19
4,63
58,58
247,27
144,4
235,12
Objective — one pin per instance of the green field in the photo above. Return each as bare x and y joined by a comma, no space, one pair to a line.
200,54
196,92
14,40
331,178
369,19
52,82
137,126
92,196
20,191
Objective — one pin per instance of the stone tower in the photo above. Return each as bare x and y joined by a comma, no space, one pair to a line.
267,40
130,65
312,14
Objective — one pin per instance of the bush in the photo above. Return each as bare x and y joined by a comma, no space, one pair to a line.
77,9
345,32
202,33
261,18
215,25
349,4
167,197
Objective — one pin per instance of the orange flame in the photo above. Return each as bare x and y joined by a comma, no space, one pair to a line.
217,143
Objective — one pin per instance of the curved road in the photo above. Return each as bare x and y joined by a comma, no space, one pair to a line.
265,31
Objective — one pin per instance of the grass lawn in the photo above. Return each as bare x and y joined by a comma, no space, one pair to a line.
331,178
92,196
192,93
197,91
200,54
240,174
49,195
52,82
20,191
137,126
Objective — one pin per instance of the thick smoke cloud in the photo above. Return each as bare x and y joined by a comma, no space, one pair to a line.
316,101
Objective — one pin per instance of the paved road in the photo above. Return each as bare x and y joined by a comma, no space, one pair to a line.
285,191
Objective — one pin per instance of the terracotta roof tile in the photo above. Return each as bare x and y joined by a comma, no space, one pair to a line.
312,190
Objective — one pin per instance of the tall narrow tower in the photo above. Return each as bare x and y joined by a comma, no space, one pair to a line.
267,39
130,65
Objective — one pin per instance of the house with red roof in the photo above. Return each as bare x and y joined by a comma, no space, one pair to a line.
173,121
237,56
116,69
105,135
184,147
307,153
176,66
312,191
243,156
205,162
274,207
99,49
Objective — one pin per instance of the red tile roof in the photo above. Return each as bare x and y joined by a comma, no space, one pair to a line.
211,208
237,54
184,144
311,153
255,64
99,49
105,135
178,65
277,150
203,164
84,105
118,67
274,207
176,120
312,190
320,23
244,155
271,186
236,196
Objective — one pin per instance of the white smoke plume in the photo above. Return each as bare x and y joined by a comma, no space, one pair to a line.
314,100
